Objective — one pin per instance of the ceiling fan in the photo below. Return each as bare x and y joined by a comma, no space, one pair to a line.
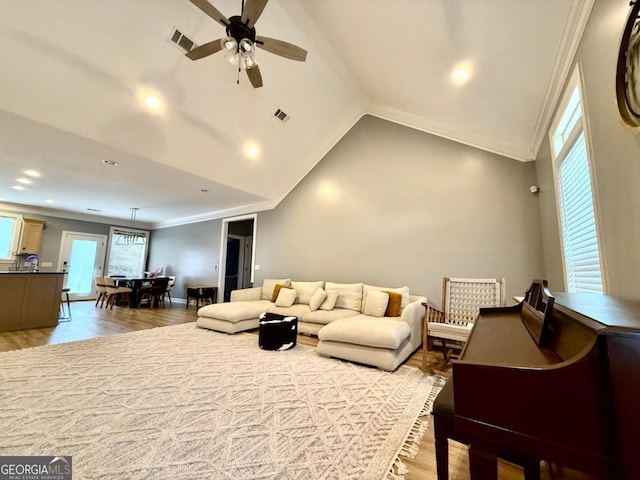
241,40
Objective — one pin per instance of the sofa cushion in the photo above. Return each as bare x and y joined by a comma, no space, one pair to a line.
235,311
306,290
349,294
376,304
330,301
324,317
317,298
296,310
270,283
364,330
286,297
393,306
276,291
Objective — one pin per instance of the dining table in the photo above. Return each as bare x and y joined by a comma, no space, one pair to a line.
135,284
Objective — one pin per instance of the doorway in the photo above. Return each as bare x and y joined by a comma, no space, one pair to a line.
237,249
81,258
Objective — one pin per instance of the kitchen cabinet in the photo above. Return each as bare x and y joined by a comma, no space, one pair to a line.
31,237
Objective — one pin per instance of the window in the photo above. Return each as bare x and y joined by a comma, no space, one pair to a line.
574,188
127,252
9,236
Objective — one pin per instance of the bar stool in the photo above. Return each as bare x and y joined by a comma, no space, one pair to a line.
444,413
62,317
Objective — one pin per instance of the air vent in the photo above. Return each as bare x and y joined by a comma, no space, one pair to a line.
181,41
280,115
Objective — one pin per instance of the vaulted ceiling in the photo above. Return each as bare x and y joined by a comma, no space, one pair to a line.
75,74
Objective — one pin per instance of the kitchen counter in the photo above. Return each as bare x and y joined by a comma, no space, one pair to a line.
29,299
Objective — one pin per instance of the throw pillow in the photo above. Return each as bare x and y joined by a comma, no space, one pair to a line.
306,290
269,284
393,307
316,299
276,291
286,297
376,304
330,301
349,294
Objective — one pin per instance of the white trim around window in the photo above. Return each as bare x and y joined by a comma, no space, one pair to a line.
576,192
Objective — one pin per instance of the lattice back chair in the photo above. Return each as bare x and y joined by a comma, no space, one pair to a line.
461,302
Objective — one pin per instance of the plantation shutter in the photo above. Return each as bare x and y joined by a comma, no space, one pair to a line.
577,216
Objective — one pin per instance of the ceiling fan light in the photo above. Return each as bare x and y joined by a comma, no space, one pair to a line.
232,57
229,44
246,46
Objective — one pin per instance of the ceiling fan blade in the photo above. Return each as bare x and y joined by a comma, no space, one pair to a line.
212,11
205,50
284,49
252,11
254,76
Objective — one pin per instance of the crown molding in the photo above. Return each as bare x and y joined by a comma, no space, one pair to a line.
69,215
506,147
577,19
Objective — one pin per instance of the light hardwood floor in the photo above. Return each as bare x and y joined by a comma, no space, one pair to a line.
90,322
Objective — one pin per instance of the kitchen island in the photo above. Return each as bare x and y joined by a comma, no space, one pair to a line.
29,299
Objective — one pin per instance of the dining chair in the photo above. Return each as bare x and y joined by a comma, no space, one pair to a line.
154,294
114,291
170,285
101,288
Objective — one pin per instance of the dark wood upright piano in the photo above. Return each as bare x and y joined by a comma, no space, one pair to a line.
555,379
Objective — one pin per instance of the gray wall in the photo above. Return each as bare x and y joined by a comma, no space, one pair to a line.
616,160
190,252
392,206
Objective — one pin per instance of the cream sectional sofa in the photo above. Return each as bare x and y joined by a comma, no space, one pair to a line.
350,322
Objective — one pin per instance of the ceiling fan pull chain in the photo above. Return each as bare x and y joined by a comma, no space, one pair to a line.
238,80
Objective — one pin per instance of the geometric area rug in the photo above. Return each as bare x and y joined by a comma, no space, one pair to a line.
184,403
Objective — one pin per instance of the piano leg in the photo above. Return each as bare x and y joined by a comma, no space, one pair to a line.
483,464
441,427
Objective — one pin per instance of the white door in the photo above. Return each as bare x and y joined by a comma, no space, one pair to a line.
81,258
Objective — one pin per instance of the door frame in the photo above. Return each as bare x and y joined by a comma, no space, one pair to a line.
224,234
100,238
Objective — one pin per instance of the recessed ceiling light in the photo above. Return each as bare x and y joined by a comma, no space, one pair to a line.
32,173
252,150
48,200
461,73
18,187
151,99
111,163
24,181
205,190
152,102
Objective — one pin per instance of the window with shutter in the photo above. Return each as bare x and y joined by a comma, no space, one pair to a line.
574,187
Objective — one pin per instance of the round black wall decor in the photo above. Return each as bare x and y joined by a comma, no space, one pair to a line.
628,71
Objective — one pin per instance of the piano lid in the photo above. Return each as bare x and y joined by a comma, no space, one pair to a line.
612,313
